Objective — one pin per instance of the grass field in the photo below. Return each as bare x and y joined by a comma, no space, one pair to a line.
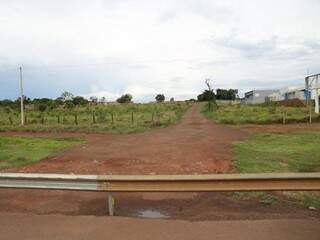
280,153
21,151
259,114
122,118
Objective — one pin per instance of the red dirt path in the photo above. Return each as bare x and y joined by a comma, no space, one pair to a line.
194,145
57,227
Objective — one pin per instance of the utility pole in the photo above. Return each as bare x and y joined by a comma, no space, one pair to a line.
312,83
21,97
317,94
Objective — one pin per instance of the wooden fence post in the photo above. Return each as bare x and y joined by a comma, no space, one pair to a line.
112,118
131,117
310,115
284,117
76,119
10,120
110,205
93,117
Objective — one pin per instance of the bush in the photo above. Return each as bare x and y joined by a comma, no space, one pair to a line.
206,96
78,100
126,98
69,104
160,98
114,118
259,114
42,107
7,110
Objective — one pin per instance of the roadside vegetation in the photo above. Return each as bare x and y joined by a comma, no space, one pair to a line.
21,151
259,114
280,153
80,115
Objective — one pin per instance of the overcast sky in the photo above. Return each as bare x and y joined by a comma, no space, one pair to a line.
107,48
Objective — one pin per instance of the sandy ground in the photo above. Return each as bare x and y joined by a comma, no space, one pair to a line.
57,227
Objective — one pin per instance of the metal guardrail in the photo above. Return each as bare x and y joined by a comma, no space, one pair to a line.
164,183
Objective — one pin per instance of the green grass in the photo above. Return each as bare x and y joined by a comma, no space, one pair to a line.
280,153
96,119
305,199
21,151
258,114
263,197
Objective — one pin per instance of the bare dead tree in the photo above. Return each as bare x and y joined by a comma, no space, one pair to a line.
212,98
208,84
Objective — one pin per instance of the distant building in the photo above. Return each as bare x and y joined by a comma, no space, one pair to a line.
274,97
299,93
258,96
289,93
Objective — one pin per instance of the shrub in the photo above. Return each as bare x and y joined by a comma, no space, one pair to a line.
160,98
42,107
126,98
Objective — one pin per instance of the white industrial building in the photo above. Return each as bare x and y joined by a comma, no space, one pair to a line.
257,96
289,93
310,91
299,93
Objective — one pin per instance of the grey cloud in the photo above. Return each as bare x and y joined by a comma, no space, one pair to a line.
313,45
62,45
248,49
209,63
166,17
268,49
211,10
254,84
176,79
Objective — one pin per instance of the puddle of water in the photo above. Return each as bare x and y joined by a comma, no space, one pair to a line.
151,214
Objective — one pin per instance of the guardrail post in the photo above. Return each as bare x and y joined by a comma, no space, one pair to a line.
110,205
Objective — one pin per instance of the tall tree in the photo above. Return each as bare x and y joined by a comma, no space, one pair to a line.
126,98
94,99
208,95
103,99
227,94
160,97
66,96
78,100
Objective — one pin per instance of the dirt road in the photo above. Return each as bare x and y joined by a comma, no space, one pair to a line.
194,145
57,227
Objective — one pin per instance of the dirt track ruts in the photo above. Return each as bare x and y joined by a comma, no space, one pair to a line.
194,145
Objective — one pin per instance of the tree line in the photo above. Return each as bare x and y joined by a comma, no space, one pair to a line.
220,94
68,100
